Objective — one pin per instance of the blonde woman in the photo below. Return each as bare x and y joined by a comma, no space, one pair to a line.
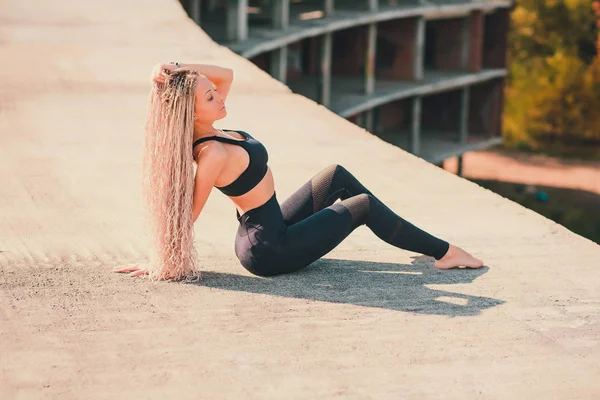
272,238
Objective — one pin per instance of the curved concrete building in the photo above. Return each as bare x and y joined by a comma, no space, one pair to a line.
367,321
425,76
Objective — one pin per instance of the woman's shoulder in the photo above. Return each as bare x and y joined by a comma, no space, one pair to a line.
243,132
209,148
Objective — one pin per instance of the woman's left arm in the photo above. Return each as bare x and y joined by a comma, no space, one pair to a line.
220,76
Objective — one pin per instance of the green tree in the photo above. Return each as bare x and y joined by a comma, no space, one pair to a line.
553,88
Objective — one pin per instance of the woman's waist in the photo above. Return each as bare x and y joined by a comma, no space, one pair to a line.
265,220
256,197
266,206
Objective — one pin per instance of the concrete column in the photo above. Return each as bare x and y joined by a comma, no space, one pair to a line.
329,6
498,131
369,120
415,143
211,5
237,20
370,71
324,89
195,10
466,42
363,120
281,14
370,125
476,41
370,58
279,64
419,49
360,120
463,123
375,123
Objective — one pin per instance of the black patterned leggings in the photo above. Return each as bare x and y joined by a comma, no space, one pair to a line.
276,239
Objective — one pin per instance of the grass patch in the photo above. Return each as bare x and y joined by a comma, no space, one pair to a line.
576,210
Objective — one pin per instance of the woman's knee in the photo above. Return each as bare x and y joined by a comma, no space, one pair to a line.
329,171
337,172
359,207
335,168
334,174
338,168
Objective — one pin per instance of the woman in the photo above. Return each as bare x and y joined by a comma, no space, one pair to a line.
271,238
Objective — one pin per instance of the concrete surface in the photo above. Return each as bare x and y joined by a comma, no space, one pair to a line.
368,321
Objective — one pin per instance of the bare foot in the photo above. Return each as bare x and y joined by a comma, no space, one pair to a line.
456,257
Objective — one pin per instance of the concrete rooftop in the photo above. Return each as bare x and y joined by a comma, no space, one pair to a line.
368,321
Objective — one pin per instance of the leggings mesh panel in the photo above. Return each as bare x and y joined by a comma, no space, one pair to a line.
321,187
359,207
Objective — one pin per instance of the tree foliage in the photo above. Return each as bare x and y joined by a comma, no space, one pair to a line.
553,88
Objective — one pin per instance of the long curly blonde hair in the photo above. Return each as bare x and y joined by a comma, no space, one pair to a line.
168,177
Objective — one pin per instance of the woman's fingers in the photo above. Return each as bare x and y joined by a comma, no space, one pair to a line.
127,268
182,69
157,72
133,269
139,272
160,71
165,67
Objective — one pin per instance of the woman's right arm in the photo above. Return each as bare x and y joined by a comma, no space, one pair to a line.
222,77
211,160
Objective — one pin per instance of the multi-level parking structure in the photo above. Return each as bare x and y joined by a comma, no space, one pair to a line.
427,76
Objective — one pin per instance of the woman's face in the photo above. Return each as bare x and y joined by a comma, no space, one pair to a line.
209,105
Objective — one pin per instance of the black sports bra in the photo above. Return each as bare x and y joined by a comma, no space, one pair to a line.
257,168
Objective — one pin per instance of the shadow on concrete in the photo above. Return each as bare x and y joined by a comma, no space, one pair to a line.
398,287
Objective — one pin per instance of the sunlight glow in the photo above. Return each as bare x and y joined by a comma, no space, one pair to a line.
453,300
395,272
311,15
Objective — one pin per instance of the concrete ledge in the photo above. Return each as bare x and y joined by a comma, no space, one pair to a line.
436,147
264,40
387,90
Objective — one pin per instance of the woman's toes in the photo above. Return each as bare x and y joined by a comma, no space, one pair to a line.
457,257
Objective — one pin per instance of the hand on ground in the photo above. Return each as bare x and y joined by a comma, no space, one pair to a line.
133,269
